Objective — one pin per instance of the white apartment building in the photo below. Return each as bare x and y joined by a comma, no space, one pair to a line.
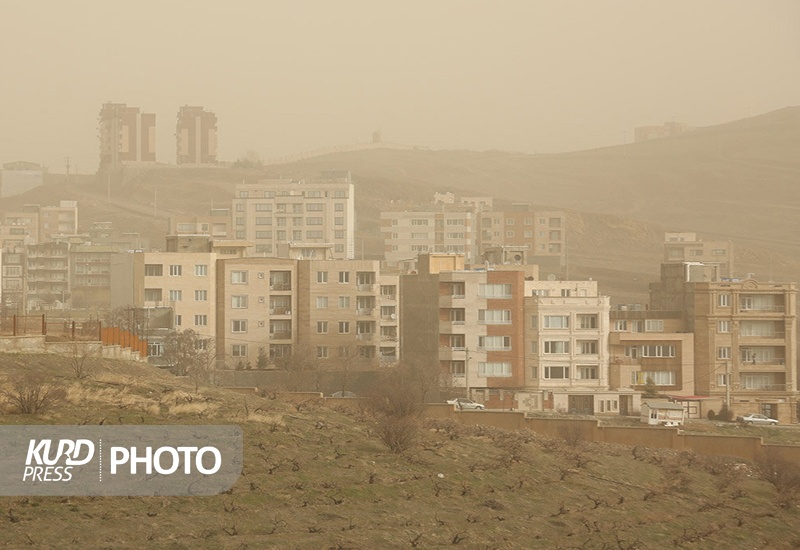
286,211
567,355
449,231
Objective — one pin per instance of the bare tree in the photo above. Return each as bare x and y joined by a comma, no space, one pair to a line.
192,355
31,393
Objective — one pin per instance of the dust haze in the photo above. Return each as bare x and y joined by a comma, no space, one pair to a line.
528,76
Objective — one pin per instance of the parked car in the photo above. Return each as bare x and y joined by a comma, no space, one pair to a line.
754,418
466,404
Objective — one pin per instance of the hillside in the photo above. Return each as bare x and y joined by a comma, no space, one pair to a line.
320,478
736,181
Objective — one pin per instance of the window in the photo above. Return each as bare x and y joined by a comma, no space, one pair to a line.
263,220
153,270
658,351
315,220
314,207
494,316
565,292
201,320
541,292
722,380
339,207
497,343
239,325
587,372
175,295
200,295
152,295
297,208
724,300
556,373
322,327
344,276
494,369
178,320
239,350
659,378
496,290
322,352
155,349
587,347
587,321
724,352
238,302
556,346
322,302
313,234
322,277
263,207
723,326
344,302
556,321
201,270
344,327
418,221
654,325
175,270
534,347
239,277
419,236
263,234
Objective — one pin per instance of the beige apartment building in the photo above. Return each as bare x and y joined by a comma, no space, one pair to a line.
90,275
284,211
449,230
745,338
567,351
256,310
543,233
47,275
348,309
216,224
184,281
680,247
126,135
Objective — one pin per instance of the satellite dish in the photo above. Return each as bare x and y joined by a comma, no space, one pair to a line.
392,316
551,277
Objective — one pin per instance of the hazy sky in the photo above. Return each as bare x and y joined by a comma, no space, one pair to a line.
283,77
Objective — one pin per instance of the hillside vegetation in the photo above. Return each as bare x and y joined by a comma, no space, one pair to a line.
736,181
320,478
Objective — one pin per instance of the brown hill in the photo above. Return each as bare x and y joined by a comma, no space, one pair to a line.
736,181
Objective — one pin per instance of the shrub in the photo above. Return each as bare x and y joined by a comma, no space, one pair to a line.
725,414
32,394
711,414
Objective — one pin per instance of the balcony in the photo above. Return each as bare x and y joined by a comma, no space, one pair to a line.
280,286
365,312
365,336
280,335
280,311
365,287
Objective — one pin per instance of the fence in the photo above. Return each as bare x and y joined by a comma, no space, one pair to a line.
59,330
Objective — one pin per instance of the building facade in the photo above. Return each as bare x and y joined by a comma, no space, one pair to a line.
196,136
126,135
283,211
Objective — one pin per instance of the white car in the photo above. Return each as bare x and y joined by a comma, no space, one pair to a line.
754,418
466,404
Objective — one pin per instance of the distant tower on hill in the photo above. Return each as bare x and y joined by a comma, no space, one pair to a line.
376,136
196,136
126,135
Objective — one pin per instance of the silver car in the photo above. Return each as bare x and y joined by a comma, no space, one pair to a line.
462,403
754,418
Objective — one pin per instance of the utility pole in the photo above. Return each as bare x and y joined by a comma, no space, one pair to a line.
728,385
466,372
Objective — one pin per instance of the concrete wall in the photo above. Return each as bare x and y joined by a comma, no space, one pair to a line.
38,344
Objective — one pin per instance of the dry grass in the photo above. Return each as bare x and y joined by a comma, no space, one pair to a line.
316,478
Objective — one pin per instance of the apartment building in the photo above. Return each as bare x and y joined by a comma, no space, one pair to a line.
470,321
125,135
348,309
256,310
215,224
543,233
90,275
681,247
184,281
745,338
19,229
12,279
567,351
196,136
449,230
47,275
653,347
281,211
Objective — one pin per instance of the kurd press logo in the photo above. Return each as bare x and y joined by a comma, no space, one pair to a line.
119,460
